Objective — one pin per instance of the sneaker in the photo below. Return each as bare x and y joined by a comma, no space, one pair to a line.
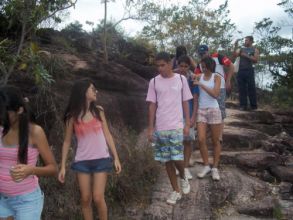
215,174
187,174
204,172
185,186
174,197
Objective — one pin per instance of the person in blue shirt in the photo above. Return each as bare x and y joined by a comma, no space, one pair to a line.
184,64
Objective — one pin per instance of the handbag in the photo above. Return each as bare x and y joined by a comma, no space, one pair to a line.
236,64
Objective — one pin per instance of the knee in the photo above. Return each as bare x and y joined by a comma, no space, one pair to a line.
201,142
86,201
99,198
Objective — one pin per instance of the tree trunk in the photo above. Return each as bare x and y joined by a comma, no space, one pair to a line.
105,35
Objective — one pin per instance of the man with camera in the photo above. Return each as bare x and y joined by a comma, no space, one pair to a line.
249,55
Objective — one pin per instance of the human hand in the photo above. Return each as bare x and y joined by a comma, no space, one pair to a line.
20,171
186,130
196,81
117,166
150,134
61,175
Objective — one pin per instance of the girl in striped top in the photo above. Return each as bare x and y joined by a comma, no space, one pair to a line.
21,142
87,122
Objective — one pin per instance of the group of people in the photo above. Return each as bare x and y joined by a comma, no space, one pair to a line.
181,100
22,141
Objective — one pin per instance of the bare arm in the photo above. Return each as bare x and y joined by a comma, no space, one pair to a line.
110,142
195,107
230,73
38,138
65,149
151,121
214,92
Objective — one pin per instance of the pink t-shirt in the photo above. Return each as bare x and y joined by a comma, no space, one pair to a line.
169,114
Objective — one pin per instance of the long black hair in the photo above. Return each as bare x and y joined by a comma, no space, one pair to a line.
12,100
77,101
210,63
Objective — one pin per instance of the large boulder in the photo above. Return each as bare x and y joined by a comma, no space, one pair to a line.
258,161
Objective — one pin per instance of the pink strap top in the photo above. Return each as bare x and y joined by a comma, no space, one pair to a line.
8,158
91,142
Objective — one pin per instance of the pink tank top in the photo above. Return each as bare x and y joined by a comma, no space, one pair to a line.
91,142
8,158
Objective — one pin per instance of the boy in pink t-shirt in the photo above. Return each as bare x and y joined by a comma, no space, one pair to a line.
168,96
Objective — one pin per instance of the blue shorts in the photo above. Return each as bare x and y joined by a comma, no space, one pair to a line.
93,166
22,207
168,145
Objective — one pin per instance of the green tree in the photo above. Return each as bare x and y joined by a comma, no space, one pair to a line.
188,25
24,17
276,56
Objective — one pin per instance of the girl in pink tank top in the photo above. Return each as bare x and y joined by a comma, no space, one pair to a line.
21,142
87,122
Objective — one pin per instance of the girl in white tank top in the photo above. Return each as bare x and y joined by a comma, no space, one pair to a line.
208,113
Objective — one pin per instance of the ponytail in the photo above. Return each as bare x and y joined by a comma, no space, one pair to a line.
13,101
23,136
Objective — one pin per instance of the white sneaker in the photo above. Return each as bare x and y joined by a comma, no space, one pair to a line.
185,186
174,197
187,174
215,174
204,172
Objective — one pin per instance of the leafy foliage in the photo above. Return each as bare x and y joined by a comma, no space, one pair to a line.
188,25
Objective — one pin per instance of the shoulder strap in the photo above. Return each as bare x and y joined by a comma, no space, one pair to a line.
181,88
155,89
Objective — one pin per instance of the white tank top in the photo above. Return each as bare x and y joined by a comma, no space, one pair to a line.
205,100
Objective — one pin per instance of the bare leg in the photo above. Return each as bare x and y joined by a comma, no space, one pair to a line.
100,180
201,131
216,130
187,152
221,132
179,164
84,182
172,174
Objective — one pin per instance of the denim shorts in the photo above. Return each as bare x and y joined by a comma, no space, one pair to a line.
22,207
93,166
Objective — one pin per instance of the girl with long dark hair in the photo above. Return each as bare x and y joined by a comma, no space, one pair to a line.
21,143
92,162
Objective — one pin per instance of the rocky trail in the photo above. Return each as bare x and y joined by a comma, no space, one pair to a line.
256,174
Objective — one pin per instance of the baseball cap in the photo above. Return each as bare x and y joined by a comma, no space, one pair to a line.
202,49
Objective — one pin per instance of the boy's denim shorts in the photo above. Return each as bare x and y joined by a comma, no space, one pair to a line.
93,166
22,207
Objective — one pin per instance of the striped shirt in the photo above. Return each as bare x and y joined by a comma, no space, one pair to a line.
8,159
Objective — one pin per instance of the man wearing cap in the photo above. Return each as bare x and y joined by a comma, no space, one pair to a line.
221,62
245,76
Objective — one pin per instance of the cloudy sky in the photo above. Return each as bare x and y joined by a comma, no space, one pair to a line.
242,12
